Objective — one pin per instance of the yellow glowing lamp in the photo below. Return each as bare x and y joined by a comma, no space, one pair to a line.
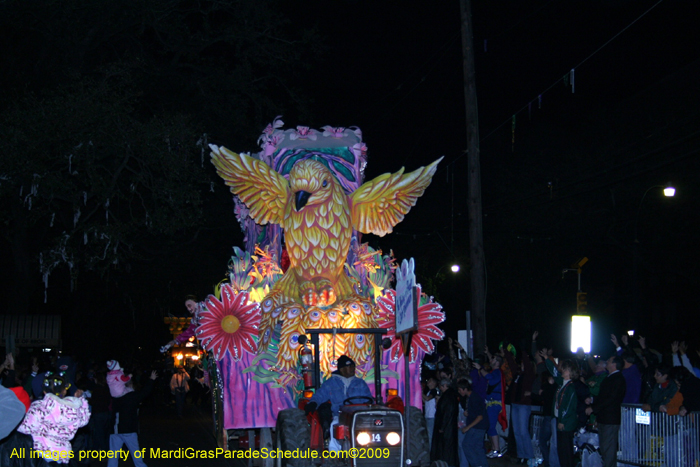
393,438
363,438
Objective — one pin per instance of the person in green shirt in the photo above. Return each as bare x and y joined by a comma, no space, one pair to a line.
594,381
664,389
565,403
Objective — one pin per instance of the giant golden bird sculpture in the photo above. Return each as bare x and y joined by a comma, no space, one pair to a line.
318,218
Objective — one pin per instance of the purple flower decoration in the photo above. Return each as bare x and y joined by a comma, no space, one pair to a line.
240,210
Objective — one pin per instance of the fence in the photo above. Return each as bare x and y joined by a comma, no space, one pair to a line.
535,428
647,439
655,439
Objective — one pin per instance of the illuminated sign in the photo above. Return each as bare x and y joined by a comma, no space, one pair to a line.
406,303
581,333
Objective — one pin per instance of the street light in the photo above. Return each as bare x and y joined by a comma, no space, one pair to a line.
454,268
669,192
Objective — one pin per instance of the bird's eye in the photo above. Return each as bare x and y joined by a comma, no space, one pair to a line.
325,183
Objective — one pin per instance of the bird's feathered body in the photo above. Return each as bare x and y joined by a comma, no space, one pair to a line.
318,235
318,218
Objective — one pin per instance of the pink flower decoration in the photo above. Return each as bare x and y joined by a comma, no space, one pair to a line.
338,132
271,127
270,145
429,316
303,132
270,130
387,319
359,149
229,324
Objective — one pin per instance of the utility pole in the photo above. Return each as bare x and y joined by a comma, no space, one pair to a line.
581,296
476,237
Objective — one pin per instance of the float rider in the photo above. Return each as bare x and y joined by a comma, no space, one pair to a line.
195,309
342,385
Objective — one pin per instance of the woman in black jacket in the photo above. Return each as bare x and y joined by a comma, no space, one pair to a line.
445,443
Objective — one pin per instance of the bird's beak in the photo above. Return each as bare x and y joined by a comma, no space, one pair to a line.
301,197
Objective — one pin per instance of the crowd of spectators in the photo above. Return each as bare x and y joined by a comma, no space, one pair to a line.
476,408
53,405
571,393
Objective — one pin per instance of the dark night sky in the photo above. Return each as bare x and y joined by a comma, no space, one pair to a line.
569,186
396,71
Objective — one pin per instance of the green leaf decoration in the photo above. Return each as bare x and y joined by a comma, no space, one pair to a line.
386,373
239,267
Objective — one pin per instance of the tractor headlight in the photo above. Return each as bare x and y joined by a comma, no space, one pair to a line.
393,438
362,438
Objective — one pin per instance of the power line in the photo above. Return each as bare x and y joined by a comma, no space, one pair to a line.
569,74
598,186
605,170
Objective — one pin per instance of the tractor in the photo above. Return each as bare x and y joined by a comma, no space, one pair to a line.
377,429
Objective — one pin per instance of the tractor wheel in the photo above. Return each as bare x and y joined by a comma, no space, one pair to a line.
419,449
293,433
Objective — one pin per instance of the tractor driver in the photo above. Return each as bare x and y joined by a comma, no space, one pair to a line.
342,384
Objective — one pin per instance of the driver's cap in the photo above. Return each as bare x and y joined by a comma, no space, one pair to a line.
344,361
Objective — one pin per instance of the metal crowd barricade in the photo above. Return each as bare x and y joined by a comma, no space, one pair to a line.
535,427
656,439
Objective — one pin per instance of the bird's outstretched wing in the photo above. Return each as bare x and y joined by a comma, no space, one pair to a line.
380,204
263,190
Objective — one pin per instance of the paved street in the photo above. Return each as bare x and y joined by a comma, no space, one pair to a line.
162,429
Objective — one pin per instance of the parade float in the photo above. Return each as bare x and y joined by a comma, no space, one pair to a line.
302,204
